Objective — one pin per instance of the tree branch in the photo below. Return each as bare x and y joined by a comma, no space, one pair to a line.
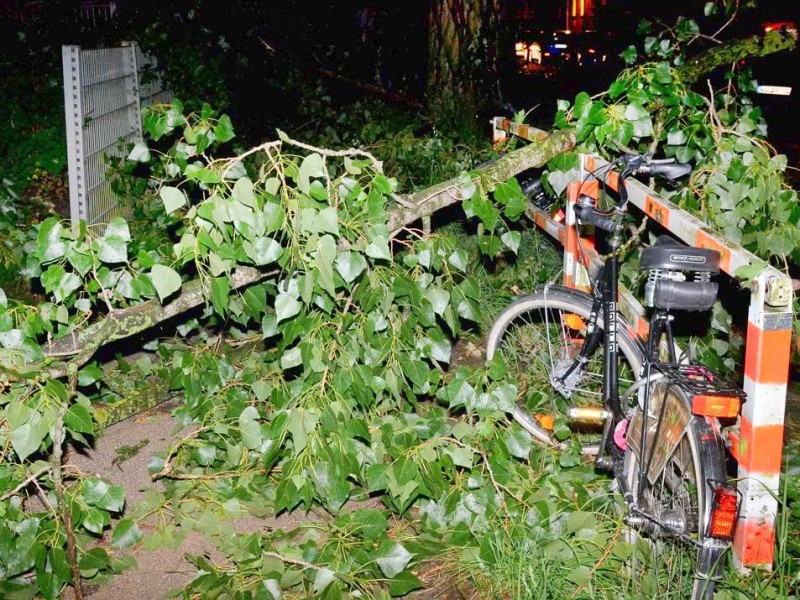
120,324
752,47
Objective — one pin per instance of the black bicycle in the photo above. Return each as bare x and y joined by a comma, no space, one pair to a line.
641,409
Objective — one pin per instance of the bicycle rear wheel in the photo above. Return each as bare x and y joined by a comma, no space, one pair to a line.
539,337
670,487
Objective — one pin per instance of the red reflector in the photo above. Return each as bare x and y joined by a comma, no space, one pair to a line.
716,406
724,513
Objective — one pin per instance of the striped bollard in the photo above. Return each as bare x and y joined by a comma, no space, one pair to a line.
760,445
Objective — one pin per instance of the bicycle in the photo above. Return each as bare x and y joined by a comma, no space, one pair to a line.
586,378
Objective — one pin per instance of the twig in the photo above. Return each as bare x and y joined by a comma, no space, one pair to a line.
203,477
498,486
229,162
325,152
294,561
332,353
43,498
55,466
166,470
31,478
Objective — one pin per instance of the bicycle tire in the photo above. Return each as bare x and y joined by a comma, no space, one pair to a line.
679,490
518,314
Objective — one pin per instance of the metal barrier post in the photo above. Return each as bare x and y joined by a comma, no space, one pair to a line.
760,445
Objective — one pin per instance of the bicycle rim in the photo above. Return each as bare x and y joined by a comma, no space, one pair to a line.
664,563
540,335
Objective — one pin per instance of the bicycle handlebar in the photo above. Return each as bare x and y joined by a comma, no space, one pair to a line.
598,219
632,165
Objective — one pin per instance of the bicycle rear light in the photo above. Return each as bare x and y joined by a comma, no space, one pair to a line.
724,513
709,405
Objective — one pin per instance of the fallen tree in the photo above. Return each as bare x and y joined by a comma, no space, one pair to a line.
302,251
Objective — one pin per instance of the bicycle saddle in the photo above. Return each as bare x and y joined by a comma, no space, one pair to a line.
670,255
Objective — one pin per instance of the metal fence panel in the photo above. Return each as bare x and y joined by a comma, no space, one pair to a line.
104,91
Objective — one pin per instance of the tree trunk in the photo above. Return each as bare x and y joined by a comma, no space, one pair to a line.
461,73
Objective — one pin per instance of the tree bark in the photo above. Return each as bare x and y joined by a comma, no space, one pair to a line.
461,71
732,52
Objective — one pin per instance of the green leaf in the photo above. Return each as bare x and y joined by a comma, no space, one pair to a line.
350,265
220,289
291,358
643,127
243,192
265,251
512,240
616,89
370,523
392,558
327,221
403,583
438,298
749,272
165,280
111,249
312,166
250,427
89,374
286,306
326,253
224,129
139,153
635,112
93,561
201,174
118,227
518,442
173,198
459,259
378,248
629,55
26,439
126,534
323,578
78,419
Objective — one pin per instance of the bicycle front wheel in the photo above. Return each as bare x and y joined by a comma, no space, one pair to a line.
539,338
670,485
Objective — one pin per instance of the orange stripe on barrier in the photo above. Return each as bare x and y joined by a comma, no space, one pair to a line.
767,354
590,188
760,447
612,179
573,190
657,211
588,163
754,543
704,240
642,328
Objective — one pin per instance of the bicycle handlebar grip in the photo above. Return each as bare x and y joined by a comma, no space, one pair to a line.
670,170
590,215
